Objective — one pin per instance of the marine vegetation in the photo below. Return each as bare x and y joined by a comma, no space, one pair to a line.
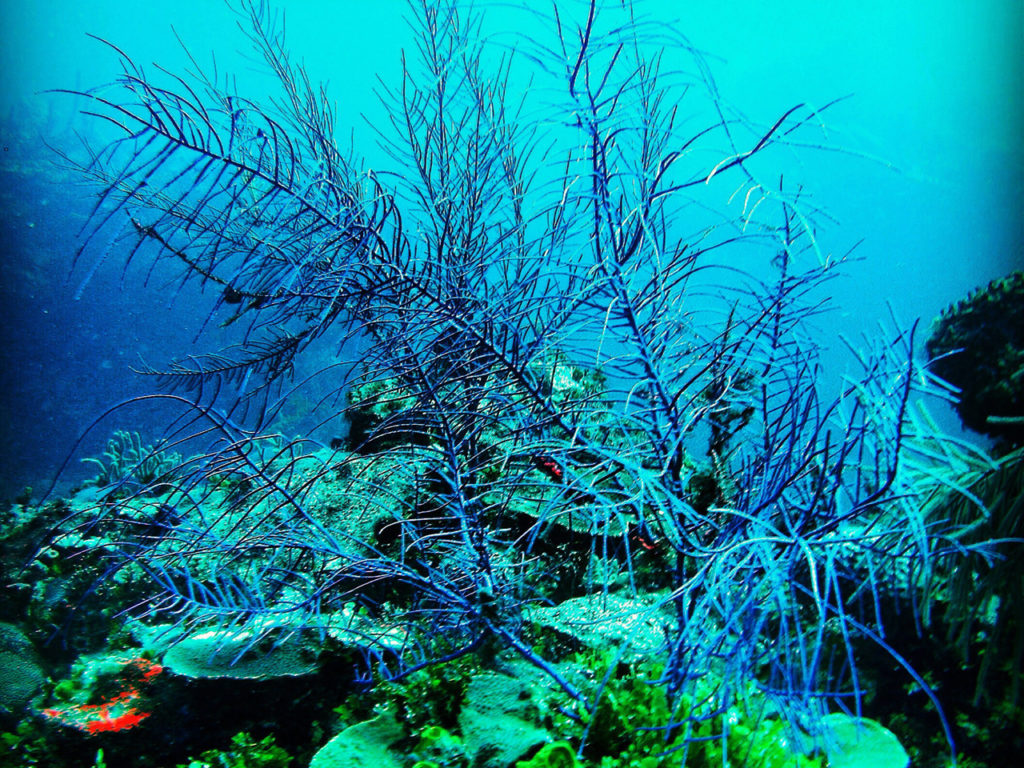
244,752
571,327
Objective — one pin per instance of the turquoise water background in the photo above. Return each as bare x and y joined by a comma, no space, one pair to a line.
933,122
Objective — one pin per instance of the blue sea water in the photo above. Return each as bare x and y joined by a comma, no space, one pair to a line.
930,180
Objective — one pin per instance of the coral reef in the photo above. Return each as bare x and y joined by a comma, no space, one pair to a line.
567,432
977,345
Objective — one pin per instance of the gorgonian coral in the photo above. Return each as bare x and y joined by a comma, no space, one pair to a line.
538,311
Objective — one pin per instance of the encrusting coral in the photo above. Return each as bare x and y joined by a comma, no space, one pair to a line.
104,695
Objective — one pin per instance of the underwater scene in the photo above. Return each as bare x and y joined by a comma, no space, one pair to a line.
566,384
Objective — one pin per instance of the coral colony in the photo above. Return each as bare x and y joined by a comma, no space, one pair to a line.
559,435
120,711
